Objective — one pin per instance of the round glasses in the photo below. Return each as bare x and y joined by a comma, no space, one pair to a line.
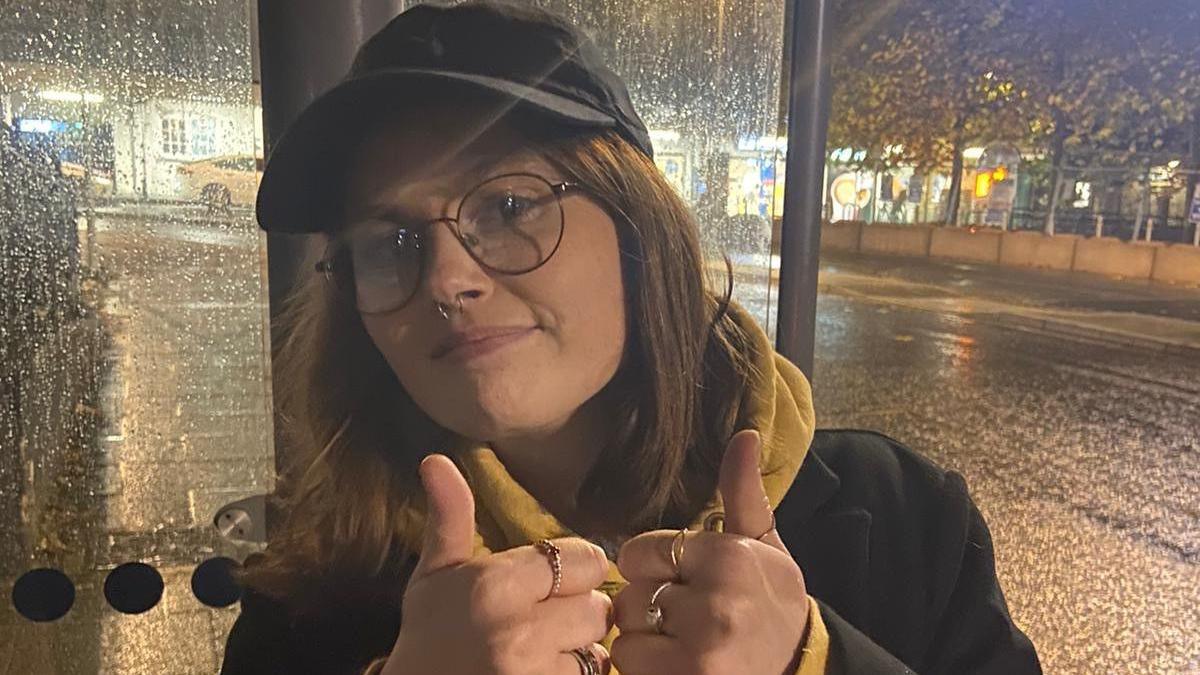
509,224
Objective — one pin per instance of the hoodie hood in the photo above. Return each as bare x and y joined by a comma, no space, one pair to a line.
778,404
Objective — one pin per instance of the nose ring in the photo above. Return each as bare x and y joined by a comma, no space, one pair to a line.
444,310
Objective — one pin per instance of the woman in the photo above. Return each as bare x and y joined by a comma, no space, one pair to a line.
526,426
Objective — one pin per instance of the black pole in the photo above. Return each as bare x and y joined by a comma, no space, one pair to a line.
804,185
304,47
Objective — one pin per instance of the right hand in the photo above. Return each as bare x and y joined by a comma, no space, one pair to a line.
490,615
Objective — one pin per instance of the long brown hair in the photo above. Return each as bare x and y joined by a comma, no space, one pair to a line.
677,394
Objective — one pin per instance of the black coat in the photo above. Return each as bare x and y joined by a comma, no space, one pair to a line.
892,547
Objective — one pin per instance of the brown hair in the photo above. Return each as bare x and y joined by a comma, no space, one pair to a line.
677,395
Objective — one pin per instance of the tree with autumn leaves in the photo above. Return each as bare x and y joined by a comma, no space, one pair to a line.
1082,82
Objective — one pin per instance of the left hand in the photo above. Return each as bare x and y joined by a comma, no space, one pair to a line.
738,605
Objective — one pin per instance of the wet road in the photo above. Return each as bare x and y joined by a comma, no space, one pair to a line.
1084,458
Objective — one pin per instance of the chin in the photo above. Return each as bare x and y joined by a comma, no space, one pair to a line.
490,423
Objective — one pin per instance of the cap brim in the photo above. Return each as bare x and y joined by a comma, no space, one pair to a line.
304,170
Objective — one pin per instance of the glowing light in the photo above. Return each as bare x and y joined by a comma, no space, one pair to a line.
70,97
983,185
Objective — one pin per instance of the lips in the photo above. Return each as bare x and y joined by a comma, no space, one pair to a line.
478,341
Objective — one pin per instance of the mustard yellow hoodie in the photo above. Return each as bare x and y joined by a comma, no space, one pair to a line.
779,407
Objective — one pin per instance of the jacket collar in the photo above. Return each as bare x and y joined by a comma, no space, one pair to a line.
815,485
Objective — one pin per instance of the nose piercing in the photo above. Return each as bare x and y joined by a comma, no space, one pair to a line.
444,310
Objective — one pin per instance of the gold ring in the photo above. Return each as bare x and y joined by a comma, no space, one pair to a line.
677,556
554,555
715,522
654,613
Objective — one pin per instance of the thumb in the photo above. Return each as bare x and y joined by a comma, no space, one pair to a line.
450,521
747,509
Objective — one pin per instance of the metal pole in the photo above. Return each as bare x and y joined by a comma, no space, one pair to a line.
304,47
800,238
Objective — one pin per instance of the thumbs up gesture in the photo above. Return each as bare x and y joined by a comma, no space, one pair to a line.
735,602
494,614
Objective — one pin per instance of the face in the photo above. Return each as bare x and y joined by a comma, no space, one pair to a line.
528,351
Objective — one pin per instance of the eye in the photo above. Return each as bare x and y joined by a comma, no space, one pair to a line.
406,239
513,207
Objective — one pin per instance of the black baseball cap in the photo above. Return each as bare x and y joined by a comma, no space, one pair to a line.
533,59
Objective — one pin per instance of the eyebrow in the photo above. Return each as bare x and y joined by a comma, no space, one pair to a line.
487,166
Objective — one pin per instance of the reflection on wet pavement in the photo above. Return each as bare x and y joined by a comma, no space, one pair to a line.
1085,459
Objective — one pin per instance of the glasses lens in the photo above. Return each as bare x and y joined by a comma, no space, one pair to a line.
386,263
512,224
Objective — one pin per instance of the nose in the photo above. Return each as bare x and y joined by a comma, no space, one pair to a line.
451,272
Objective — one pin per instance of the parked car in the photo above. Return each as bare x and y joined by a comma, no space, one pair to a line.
223,181
89,181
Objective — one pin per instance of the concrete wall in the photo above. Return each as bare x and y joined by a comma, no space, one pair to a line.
841,236
1169,263
1177,264
1115,258
908,240
1035,249
975,245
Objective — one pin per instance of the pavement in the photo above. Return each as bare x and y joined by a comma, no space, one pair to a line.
1147,315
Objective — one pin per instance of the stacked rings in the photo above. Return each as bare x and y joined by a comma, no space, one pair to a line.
589,664
554,555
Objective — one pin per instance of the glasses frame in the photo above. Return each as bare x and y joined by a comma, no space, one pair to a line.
344,280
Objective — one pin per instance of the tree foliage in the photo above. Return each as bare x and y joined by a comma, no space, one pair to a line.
1102,81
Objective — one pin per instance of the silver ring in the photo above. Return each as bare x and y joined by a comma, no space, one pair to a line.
654,613
588,663
554,555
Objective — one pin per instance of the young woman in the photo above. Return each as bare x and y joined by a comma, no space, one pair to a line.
531,441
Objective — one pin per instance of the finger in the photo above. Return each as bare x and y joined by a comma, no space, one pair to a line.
576,620
584,568
747,509
450,525
710,559
648,654
648,555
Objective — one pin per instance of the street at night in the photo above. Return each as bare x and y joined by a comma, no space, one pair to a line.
983,219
